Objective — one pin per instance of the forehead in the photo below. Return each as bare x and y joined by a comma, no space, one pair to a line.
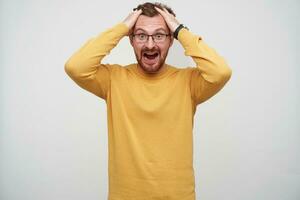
150,24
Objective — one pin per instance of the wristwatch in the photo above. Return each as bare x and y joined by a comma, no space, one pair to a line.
175,34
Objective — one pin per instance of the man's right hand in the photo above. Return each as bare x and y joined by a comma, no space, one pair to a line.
131,19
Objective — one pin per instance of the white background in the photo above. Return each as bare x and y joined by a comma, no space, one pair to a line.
53,134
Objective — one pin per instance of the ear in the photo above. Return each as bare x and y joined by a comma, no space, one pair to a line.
131,40
172,40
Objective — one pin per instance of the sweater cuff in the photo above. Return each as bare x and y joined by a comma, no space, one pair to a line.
189,41
121,28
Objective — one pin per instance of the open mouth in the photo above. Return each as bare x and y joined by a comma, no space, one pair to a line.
150,56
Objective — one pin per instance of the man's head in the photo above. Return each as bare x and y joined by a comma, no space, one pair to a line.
151,52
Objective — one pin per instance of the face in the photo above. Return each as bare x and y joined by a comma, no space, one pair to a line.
151,55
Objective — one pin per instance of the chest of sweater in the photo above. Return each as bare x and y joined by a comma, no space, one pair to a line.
160,98
151,117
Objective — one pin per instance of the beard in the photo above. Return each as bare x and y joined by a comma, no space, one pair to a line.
151,65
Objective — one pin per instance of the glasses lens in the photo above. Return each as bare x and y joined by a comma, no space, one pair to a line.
159,37
142,37
156,38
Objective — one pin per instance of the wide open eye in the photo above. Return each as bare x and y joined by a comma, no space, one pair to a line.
159,36
142,36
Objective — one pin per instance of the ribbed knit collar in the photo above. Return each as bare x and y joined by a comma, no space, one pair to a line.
162,73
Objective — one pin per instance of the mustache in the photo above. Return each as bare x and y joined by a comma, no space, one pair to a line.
153,50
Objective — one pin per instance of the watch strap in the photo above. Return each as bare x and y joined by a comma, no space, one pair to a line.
175,34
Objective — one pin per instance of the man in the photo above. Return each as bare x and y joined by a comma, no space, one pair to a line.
150,104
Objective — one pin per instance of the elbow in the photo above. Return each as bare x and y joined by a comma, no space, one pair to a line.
68,67
71,67
227,74
224,75
220,76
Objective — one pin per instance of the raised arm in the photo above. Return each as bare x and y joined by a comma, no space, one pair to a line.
211,72
85,68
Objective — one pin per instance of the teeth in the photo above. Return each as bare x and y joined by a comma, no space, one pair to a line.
150,53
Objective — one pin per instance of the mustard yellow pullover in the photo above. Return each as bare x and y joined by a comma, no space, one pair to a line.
150,117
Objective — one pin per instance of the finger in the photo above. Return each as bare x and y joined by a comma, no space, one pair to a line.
166,10
158,9
164,14
137,12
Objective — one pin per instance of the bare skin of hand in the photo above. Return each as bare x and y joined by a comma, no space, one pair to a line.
169,18
131,19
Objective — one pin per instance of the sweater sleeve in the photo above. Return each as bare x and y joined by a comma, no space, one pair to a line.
84,67
211,72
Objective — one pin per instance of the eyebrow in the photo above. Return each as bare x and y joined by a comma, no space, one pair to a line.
159,29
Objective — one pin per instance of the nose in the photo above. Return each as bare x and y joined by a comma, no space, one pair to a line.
150,43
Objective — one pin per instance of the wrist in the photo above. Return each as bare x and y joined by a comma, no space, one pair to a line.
174,26
126,23
175,34
126,26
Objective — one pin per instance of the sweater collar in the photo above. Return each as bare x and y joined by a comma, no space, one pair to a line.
162,72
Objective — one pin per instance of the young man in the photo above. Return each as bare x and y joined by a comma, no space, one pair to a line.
150,104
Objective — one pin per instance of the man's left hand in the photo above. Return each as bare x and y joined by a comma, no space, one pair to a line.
169,18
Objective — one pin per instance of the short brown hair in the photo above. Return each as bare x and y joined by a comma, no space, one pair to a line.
149,10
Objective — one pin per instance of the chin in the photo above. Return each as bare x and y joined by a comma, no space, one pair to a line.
151,69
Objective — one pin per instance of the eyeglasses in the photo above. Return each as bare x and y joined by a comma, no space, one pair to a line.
157,38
